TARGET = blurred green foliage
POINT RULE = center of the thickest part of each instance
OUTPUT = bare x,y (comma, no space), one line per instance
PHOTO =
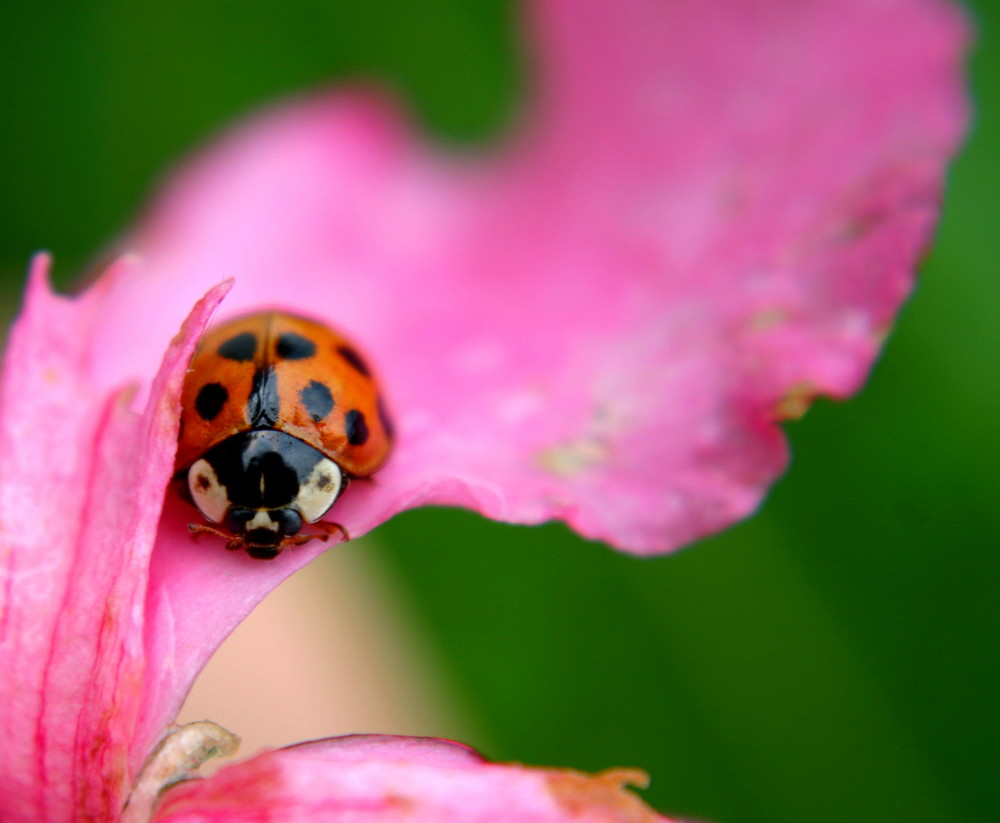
833,658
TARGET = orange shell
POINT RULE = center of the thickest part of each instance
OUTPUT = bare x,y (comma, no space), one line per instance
281,371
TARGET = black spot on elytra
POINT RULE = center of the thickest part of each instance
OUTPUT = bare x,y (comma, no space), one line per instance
355,359
263,405
385,419
211,398
240,348
317,399
292,346
356,428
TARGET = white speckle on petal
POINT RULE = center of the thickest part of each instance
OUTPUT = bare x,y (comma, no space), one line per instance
573,458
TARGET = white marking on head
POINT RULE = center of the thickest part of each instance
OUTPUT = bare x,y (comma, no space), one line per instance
209,495
261,520
320,490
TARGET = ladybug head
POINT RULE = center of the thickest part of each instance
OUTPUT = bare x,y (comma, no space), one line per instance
263,531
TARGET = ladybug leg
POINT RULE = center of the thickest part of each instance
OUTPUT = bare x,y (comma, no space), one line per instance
232,543
302,539
326,528
197,529
329,528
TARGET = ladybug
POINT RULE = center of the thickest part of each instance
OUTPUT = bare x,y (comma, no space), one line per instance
278,414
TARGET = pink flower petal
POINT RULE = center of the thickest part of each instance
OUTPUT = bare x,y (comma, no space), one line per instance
81,486
709,217
386,779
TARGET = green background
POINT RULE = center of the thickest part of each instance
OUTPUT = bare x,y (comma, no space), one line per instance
832,659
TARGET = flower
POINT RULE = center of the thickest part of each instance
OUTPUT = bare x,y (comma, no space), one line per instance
707,217
389,779
100,636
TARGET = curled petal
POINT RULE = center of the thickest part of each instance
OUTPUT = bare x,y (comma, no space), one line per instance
708,216
387,779
82,478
